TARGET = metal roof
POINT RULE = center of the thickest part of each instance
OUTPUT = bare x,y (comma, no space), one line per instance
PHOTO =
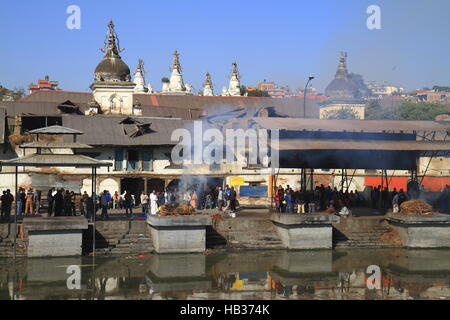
58,96
338,144
399,126
36,108
107,130
51,109
55,130
292,107
55,145
55,160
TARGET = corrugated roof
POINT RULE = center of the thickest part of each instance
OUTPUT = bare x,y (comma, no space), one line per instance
55,160
46,102
107,130
55,145
290,106
51,109
335,144
35,108
58,96
55,130
299,124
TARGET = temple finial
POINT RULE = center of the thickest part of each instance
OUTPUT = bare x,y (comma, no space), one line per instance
176,61
342,67
110,46
235,71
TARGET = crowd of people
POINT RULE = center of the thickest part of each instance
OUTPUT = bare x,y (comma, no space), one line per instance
332,200
325,199
224,199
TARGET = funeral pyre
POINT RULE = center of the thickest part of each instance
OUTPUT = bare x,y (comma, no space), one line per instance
416,208
176,209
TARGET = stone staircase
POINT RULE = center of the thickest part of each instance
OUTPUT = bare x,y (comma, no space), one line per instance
256,233
7,242
6,248
120,238
361,232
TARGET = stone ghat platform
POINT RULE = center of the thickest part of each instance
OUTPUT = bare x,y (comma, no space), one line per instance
252,229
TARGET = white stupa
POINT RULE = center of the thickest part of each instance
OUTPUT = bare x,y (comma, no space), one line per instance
208,86
176,84
139,79
234,88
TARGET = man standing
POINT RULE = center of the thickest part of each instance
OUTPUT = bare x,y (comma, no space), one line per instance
29,202
144,203
104,205
233,198
9,199
37,201
153,203
59,203
115,199
84,199
3,201
128,203
50,201
220,199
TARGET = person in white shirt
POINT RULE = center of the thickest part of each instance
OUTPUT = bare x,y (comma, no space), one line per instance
153,203
144,203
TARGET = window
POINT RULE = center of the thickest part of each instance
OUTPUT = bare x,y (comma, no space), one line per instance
133,160
118,160
147,164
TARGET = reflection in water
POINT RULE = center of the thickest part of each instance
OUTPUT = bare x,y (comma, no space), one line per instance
405,274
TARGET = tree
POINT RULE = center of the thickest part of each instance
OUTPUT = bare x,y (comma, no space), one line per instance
341,114
406,111
11,95
258,93
243,90
421,111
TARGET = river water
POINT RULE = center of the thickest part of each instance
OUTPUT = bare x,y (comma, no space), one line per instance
337,274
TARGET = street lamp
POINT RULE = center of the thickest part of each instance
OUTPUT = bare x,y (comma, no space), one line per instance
304,95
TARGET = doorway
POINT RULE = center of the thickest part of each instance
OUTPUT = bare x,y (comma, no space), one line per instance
133,185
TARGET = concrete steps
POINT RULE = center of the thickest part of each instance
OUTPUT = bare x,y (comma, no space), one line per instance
361,233
137,240
246,233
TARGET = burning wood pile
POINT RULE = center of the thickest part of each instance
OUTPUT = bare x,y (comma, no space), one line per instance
175,209
416,208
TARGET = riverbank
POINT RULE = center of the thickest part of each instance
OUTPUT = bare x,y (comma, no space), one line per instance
251,229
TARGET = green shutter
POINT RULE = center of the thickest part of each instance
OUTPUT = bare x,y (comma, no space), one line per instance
118,160
147,164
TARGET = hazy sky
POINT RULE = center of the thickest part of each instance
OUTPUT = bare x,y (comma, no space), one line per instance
281,41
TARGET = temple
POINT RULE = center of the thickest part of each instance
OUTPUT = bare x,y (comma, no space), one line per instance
343,96
112,87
